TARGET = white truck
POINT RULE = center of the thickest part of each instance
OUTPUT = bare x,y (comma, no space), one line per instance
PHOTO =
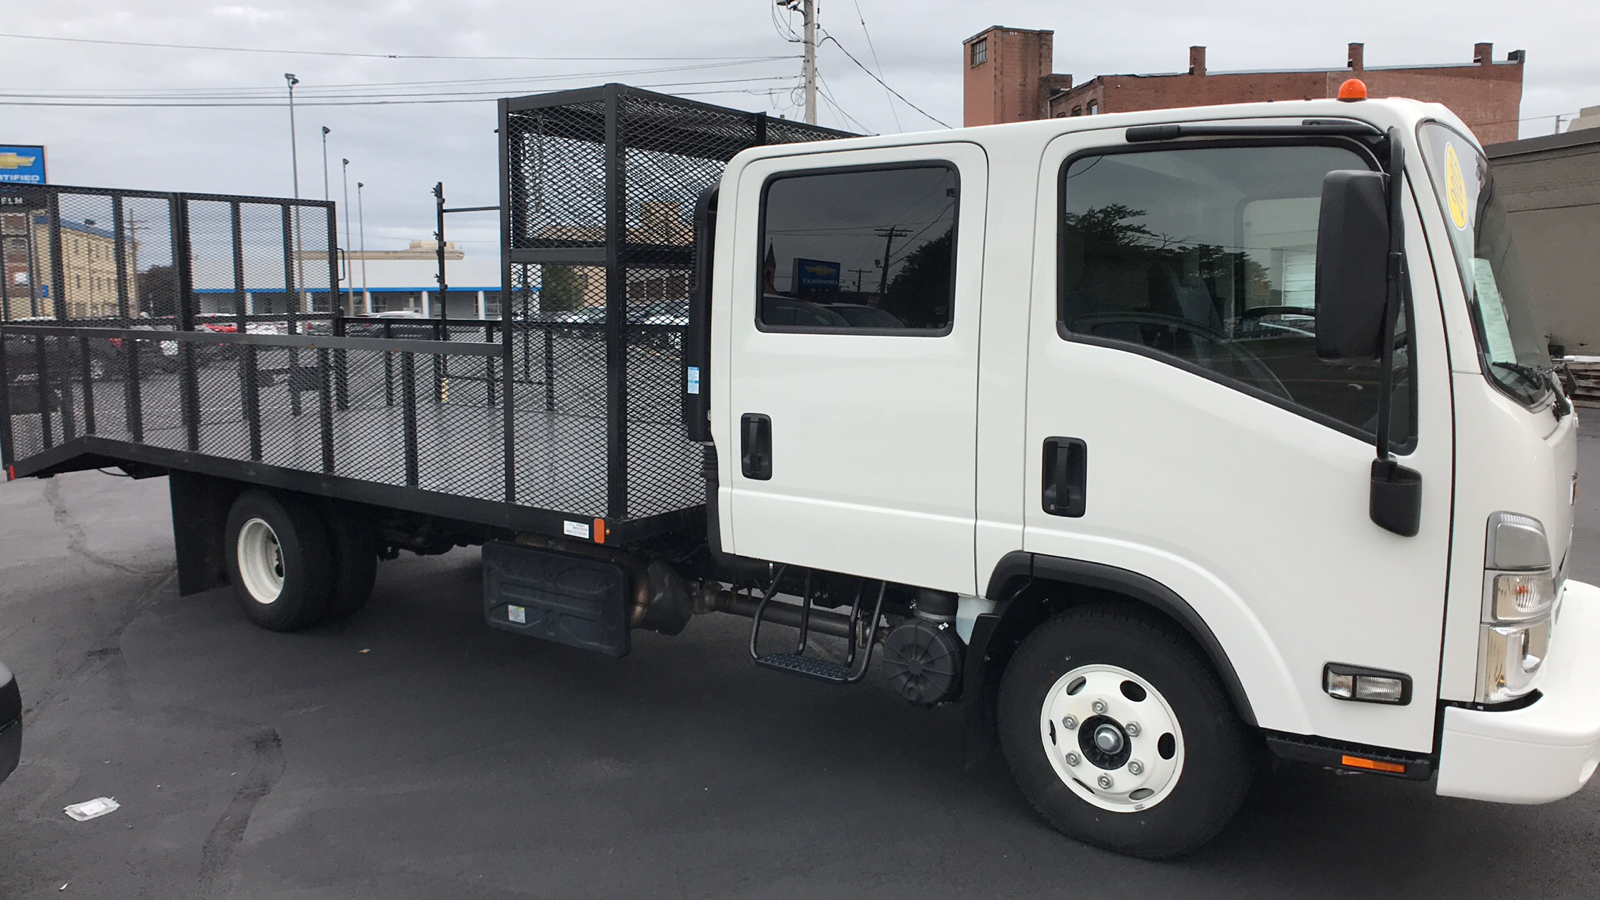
1166,442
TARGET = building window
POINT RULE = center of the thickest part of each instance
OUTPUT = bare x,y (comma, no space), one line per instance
1094,107
980,51
1077,110
860,250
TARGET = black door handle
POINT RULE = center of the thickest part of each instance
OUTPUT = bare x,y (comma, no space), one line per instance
755,446
1066,471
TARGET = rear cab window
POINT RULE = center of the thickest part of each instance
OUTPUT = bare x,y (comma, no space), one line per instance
866,250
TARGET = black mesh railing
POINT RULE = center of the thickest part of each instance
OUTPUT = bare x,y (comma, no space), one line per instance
598,200
208,328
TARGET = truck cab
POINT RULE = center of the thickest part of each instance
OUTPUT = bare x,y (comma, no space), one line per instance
1227,428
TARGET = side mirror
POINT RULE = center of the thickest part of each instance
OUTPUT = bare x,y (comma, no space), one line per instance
1352,264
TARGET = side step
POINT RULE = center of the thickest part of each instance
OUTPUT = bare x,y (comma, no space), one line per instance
798,662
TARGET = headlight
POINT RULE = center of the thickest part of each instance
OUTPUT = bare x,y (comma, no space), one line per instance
1519,598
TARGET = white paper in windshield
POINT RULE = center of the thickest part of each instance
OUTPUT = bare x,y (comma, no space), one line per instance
1492,308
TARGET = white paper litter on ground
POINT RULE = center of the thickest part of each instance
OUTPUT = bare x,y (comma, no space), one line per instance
91,809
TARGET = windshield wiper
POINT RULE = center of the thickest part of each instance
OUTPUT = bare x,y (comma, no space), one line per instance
1538,375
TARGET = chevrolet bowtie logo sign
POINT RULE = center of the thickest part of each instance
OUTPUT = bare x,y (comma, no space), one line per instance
21,164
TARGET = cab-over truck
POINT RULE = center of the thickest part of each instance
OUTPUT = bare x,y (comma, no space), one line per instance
1167,442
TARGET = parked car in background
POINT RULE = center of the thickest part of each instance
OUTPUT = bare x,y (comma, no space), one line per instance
399,323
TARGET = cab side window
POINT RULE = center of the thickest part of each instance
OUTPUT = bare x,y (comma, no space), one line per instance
859,250
1206,257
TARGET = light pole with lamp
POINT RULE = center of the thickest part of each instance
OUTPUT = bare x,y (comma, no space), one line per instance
350,305
361,214
325,132
294,156
294,153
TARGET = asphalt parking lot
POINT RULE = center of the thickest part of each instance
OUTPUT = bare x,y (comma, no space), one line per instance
412,752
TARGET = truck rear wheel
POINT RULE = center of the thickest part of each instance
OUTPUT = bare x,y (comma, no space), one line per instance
355,560
278,560
1118,733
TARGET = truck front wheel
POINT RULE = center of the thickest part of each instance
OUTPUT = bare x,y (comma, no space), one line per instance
1118,733
278,560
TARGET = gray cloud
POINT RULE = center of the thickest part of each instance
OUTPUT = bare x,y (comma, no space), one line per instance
399,151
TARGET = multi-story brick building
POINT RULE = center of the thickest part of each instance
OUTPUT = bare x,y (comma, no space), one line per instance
88,268
1008,78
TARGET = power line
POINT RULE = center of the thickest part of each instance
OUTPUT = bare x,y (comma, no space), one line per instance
351,54
201,98
892,111
374,100
828,37
838,108
249,90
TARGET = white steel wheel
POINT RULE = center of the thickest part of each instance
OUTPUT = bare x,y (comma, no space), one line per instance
1112,738
278,558
1118,731
260,561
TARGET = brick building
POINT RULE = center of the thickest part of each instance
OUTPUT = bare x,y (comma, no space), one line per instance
1008,78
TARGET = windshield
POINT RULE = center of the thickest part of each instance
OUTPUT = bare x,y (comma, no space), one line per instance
1511,340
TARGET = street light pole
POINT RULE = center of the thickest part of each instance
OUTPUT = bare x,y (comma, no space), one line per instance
351,304
294,156
294,152
361,213
325,194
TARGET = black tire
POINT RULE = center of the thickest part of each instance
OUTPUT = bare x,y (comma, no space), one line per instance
354,543
1218,759
304,566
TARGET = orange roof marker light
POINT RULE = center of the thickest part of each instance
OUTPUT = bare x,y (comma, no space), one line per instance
1353,89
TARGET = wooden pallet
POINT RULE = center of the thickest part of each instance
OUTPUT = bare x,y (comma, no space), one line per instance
1587,376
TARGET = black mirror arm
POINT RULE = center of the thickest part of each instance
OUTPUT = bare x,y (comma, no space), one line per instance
1391,309
1396,500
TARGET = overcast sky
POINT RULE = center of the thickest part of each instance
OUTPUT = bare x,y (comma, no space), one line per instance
400,149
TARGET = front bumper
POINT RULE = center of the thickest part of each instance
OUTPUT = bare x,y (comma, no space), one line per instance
10,723
1545,750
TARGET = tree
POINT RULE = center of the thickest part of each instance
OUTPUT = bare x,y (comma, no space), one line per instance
561,289
919,294
158,291
1109,223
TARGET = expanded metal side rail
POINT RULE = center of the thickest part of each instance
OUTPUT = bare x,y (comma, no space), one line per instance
211,332
384,421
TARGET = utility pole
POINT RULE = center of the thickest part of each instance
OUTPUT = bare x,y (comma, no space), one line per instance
888,235
808,10
810,35
858,273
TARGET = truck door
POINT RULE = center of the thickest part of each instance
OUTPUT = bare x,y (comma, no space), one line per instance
1181,426
849,440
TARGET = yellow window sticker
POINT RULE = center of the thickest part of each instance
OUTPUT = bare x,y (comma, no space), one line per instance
1455,186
